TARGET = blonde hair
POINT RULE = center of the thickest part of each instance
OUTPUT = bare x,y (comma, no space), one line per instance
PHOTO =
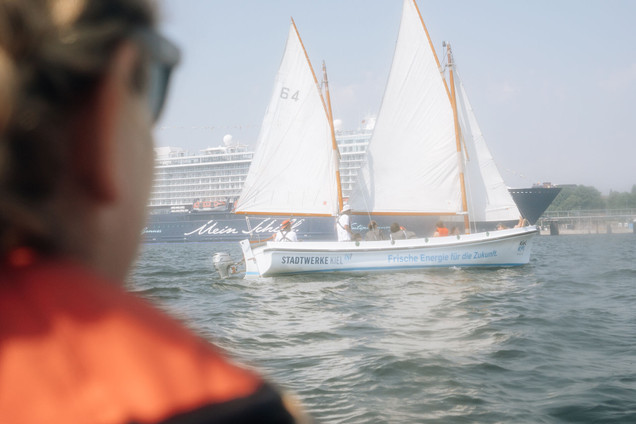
52,55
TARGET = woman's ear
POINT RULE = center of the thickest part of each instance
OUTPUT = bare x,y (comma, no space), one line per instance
96,130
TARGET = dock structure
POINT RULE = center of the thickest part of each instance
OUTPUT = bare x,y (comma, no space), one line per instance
604,221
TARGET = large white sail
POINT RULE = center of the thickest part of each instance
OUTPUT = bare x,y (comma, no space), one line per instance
294,169
412,163
488,196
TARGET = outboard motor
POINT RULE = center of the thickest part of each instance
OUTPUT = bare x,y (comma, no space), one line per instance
224,264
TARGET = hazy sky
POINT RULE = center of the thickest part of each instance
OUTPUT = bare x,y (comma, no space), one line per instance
552,82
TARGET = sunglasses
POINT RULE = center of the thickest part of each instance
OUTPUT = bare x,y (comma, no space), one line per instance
163,57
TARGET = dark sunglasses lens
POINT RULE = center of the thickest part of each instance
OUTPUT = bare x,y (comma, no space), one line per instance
163,57
158,86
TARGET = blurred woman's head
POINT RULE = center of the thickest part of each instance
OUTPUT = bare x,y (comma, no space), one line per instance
78,96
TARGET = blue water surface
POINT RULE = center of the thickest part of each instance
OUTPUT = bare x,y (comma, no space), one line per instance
550,342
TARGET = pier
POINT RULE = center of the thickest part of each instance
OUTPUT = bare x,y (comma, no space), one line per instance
588,222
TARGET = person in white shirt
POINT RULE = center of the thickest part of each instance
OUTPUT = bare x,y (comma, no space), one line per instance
286,233
343,225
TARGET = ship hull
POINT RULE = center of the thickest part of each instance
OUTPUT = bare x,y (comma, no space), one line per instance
532,202
504,248
227,226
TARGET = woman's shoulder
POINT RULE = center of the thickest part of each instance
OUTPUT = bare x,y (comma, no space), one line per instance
147,365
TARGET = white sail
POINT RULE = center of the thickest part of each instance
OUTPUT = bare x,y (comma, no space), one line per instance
294,168
412,163
488,196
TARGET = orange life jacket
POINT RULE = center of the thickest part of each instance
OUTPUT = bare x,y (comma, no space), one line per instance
75,348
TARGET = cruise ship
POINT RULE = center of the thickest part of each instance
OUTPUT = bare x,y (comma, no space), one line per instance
194,194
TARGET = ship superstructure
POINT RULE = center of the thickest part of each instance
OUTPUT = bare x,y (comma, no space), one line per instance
352,146
212,179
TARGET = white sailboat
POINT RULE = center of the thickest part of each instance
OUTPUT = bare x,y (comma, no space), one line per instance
418,108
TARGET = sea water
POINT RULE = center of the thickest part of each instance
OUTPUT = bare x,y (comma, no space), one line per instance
553,341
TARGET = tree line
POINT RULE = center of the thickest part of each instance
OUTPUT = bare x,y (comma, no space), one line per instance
582,197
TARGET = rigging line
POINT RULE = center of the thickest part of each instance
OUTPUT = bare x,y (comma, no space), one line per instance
249,227
471,204
357,184
366,206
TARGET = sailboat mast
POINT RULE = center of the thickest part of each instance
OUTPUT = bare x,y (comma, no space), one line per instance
312,68
458,138
334,144
430,43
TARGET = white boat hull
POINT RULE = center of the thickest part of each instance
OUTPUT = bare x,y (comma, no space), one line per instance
503,248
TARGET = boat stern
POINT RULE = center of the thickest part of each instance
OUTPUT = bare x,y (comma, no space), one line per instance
251,266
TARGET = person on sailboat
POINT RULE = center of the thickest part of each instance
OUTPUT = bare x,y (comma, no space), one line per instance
343,224
286,233
398,232
374,232
440,230
82,84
